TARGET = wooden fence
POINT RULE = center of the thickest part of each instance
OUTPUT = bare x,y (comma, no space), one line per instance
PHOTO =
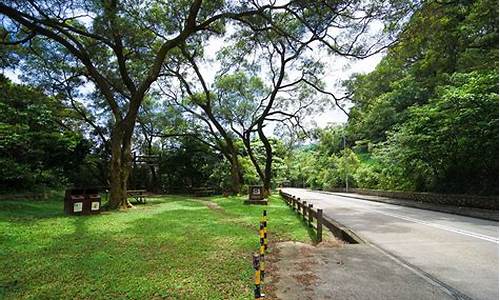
309,214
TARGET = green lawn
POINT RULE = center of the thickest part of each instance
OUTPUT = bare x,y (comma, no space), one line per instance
174,247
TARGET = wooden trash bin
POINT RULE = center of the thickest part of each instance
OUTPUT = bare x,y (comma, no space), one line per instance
82,202
74,201
256,195
94,201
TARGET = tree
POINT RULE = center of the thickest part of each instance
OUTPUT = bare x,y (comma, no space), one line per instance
283,41
417,107
451,143
195,95
32,126
105,43
441,38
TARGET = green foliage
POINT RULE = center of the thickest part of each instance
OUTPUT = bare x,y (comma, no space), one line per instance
325,165
439,40
36,145
188,163
430,108
451,143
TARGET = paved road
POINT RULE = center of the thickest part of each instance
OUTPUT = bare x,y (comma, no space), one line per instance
459,253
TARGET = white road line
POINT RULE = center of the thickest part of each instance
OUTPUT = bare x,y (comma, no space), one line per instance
447,228
442,227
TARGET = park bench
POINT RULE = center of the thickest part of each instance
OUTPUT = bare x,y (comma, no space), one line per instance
139,195
203,191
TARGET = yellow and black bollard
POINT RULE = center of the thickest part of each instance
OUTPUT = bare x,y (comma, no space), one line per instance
261,250
258,259
264,222
256,265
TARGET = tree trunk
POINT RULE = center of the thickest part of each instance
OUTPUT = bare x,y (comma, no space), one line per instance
236,173
153,185
121,160
253,159
269,161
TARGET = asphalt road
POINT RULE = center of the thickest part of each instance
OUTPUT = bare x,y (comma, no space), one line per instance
459,253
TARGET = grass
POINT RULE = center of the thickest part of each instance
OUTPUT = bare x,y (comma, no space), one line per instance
174,247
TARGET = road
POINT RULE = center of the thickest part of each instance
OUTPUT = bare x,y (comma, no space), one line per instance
459,253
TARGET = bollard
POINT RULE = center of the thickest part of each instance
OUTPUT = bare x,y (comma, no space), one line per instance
310,215
261,250
264,222
256,265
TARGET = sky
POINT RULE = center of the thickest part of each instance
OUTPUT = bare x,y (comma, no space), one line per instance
339,69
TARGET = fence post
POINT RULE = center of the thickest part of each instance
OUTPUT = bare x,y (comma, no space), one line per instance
319,227
293,202
298,205
310,215
304,209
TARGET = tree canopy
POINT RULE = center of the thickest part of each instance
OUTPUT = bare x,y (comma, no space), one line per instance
103,82
426,119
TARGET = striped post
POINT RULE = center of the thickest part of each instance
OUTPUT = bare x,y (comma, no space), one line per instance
264,222
261,250
256,266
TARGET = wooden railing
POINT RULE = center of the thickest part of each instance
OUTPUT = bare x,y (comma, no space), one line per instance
308,213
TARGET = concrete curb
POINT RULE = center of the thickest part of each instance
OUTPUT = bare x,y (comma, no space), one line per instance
343,233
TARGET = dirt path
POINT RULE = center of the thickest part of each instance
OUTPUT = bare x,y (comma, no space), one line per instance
292,269
342,271
210,204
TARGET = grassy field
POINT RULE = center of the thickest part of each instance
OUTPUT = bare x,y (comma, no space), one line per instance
174,247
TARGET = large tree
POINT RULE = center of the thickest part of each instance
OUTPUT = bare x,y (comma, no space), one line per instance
194,95
290,45
119,46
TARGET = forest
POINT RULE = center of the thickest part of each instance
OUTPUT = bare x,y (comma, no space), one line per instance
83,97
426,119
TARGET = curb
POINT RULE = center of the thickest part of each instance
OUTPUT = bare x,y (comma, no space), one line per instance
342,232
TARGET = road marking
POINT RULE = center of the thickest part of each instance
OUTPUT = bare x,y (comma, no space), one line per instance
443,227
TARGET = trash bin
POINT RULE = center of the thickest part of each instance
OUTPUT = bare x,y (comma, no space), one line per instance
74,202
256,195
82,202
256,192
94,201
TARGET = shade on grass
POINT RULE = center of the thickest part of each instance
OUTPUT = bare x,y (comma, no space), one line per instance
174,247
